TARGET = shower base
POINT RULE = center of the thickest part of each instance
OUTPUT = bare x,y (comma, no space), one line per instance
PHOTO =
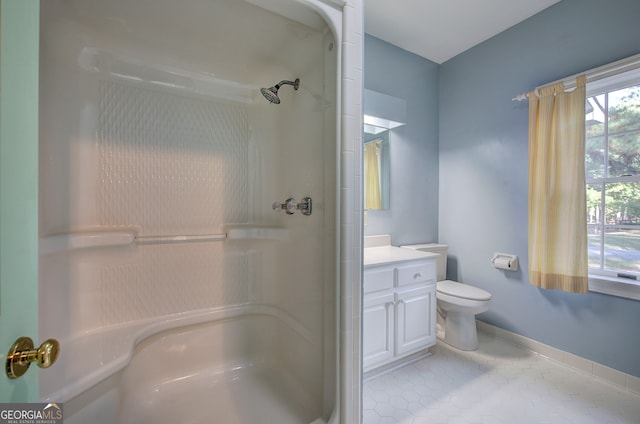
249,396
231,370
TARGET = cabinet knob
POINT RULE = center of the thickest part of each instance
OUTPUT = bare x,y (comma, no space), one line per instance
417,275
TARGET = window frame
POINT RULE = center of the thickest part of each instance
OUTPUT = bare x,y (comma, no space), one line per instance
608,282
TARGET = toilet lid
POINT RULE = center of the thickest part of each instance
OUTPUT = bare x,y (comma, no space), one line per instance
465,291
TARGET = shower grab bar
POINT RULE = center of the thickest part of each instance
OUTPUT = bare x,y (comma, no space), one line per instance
127,237
179,238
66,242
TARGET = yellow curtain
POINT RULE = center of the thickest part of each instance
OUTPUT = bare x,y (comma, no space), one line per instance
557,206
372,198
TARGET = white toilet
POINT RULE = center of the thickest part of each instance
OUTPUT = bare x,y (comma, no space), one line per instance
458,304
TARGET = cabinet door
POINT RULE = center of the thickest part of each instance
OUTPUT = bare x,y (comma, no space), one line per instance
415,319
377,330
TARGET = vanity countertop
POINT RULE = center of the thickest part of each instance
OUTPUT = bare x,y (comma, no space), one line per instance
392,254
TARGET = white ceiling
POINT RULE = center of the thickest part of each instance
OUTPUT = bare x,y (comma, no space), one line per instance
441,29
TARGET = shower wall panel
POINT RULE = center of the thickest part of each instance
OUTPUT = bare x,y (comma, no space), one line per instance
141,142
170,164
166,164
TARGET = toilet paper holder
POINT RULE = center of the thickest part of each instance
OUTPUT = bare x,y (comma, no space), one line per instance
505,261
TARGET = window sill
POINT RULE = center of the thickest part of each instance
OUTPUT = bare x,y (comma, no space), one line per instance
613,286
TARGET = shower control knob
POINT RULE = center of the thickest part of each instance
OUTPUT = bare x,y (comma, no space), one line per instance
289,206
305,207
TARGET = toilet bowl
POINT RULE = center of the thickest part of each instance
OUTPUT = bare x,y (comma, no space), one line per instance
458,303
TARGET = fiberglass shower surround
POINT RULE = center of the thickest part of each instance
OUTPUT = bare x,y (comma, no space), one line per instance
157,186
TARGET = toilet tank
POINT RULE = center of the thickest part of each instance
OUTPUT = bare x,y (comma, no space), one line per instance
441,261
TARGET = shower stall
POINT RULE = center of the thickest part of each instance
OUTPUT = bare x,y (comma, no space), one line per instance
195,237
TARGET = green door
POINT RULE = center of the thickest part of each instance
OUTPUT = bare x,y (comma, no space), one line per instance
19,40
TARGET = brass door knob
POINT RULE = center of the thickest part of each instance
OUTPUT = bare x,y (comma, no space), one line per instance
22,354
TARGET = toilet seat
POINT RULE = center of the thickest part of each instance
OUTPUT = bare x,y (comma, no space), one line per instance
464,291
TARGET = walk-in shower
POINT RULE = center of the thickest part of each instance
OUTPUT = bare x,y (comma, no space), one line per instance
173,283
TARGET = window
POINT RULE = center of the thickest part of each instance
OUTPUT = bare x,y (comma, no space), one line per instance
612,166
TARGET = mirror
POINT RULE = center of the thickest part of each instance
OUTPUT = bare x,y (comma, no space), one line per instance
376,171
382,113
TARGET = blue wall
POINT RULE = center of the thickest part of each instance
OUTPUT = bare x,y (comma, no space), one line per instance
413,216
483,173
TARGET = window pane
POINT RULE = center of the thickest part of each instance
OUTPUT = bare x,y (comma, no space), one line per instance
594,224
622,227
624,109
594,117
624,154
594,157
612,170
622,201
621,251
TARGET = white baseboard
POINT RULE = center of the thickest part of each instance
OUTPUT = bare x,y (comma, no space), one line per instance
594,369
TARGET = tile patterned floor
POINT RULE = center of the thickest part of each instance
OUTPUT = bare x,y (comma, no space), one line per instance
499,383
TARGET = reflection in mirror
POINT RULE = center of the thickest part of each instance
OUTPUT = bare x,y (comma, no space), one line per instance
376,171
382,114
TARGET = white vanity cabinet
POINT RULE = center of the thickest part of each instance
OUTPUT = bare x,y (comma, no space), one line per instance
399,305
378,329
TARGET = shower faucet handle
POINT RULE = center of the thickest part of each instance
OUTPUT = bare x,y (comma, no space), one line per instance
289,206
305,207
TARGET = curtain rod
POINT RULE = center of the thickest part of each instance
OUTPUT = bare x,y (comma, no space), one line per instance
624,65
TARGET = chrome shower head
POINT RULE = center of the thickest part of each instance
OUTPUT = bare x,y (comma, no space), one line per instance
271,93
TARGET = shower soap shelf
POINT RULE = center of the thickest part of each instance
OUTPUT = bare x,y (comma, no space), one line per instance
73,241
